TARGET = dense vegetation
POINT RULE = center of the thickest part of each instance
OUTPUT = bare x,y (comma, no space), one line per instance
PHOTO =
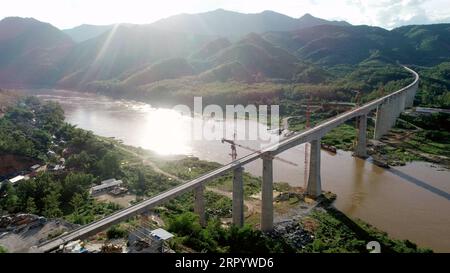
434,88
335,233
216,238
30,129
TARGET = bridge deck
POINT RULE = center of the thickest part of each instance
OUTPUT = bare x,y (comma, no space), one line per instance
285,144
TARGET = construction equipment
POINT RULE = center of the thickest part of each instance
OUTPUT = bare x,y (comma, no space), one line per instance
233,153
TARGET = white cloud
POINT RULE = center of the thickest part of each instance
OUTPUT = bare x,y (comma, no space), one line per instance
394,13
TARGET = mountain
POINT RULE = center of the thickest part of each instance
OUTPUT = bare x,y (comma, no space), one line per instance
259,57
123,49
233,24
36,53
228,71
30,51
166,69
332,45
211,48
86,32
431,42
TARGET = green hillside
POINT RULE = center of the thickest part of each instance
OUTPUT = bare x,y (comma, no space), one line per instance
133,60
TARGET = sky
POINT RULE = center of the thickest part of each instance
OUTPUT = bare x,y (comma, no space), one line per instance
384,13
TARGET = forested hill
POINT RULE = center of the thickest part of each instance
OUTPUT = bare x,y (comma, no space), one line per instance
125,57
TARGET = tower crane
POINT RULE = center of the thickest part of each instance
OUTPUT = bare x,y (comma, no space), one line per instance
233,153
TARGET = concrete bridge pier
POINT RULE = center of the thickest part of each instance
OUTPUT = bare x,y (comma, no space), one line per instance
361,144
409,98
400,105
396,108
267,194
395,105
314,187
392,113
382,120
410,94
403,102
238,197
199,204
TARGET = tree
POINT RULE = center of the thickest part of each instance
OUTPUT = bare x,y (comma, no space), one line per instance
31,206
116,232
52,205
109,165
9,200
81,161
50,116
141,185
77,202
185,224
75,183
44,185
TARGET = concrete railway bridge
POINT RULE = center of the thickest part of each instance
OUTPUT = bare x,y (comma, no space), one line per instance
388,109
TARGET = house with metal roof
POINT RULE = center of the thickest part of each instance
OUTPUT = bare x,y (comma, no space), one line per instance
106,185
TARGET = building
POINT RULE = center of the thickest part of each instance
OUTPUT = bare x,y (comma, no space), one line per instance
35,167
143,240
106,185
161,234
17,179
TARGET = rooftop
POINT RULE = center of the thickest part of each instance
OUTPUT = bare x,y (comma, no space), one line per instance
16,179
106,185
162,234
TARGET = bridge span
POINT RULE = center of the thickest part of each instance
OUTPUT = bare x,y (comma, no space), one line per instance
388,109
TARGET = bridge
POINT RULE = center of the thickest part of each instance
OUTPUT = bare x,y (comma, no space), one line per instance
388,109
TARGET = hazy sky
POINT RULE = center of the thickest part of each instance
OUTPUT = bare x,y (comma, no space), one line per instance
384,13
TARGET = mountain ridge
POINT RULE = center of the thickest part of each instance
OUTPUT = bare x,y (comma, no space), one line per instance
45,55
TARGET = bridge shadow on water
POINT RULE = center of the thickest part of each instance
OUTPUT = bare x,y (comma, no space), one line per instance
420,183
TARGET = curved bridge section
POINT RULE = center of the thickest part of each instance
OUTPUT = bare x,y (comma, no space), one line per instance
388,109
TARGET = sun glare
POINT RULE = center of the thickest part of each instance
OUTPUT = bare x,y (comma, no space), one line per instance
173,134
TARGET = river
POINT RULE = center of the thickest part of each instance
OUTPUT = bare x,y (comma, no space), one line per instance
410,202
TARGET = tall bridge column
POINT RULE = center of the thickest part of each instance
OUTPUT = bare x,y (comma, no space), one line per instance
403,101
398,108
410,94
267,194
361,145
238,198
392,106
396,111
199,204
314,187
382,120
